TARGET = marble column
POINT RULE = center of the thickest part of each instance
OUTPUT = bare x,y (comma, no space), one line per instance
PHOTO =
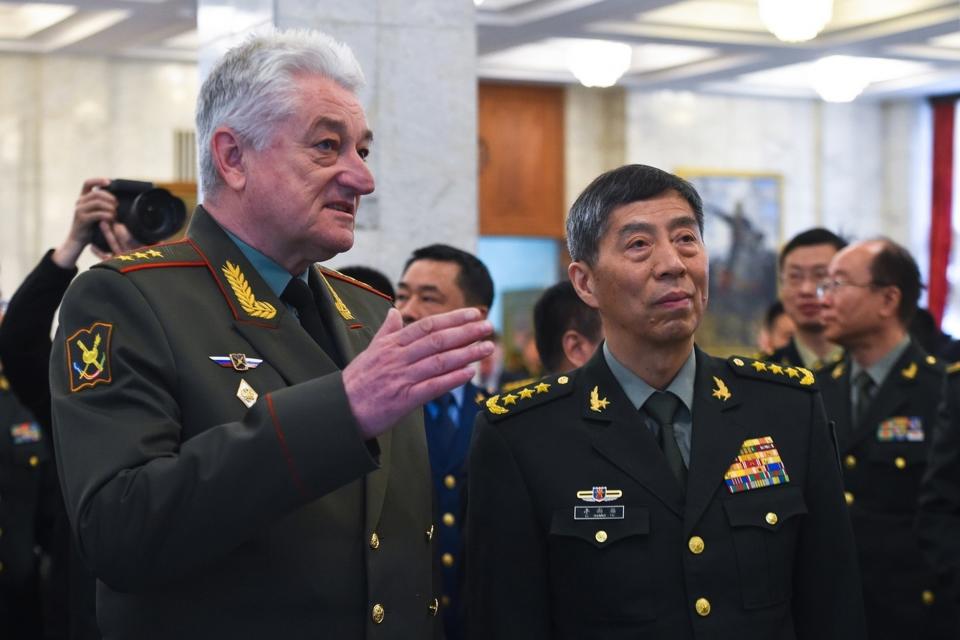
419,61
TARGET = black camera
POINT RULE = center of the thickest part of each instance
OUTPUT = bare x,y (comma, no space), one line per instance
150,214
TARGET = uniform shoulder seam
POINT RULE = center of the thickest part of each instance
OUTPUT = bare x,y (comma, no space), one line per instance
504,405
792,376
327,271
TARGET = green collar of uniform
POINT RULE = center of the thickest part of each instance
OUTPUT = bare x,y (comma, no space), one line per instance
638,391
811,360
276,277
882,367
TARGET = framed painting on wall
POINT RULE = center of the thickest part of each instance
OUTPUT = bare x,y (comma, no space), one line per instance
742,230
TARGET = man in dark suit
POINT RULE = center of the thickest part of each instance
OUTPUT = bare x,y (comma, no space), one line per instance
803,264
883,398
241,449
938,521
657,492
436,279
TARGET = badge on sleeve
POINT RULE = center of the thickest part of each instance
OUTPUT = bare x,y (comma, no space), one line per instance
88,356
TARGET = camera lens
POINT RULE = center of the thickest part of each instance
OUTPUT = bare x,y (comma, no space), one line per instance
156,215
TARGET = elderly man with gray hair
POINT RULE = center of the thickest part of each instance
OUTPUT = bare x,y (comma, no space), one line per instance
238,430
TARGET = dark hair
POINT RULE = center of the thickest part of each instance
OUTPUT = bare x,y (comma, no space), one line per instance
589,215
774,311
474,279
894,266
558,310
809,238
368,275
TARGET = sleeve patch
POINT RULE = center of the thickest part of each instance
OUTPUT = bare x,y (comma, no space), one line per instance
88,356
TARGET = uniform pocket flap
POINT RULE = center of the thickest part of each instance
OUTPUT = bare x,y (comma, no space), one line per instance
767,508
598,528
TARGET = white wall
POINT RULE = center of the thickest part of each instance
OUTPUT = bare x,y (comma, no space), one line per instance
63,120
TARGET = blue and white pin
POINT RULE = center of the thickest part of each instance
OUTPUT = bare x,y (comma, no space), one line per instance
237,361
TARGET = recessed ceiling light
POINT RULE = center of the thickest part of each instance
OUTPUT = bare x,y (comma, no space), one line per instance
23,20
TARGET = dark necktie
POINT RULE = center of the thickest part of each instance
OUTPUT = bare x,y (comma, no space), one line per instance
662,407
300,297
865,389
442,422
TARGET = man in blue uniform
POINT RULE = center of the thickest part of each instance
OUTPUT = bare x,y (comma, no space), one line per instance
436,279
657,492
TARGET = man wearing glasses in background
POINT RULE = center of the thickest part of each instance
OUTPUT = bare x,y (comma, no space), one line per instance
803,264
883,398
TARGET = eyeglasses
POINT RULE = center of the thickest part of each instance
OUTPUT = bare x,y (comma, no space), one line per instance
829,286
796,279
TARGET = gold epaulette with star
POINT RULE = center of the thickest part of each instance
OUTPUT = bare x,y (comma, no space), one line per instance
331,273
173,254
763,370
506,404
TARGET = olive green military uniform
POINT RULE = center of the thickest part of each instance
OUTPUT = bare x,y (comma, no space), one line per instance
884,460
578,529
211,466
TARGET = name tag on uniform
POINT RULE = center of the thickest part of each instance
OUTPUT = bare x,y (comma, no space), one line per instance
599,513
901,429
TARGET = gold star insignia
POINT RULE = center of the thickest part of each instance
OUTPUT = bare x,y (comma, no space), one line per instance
125,258
777,369
525,393
597,403
793,373
759,366
509,399
154,253
543,387
141,255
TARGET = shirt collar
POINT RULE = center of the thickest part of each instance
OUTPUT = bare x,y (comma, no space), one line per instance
638,391
276,277
811,360
879,371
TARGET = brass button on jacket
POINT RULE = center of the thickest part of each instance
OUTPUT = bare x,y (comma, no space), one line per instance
771,518
434,607
703,607
695,544
374,541
850,461
449,520
601,536
449,482
447,559
377,613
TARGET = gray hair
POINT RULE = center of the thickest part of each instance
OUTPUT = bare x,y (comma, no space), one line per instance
252,88
590,214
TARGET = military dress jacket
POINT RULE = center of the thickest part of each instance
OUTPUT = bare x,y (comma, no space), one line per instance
938,522
212,469
883,462
577,528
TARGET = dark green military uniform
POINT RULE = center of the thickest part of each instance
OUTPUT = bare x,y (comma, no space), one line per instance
203,518
23,455
883,462
577,528
939,517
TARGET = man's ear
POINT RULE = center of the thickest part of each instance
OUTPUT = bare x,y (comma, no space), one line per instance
484,309
227,152
577,349
581,276
891,301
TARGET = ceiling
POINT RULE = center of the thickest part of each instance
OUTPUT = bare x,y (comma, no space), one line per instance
910,47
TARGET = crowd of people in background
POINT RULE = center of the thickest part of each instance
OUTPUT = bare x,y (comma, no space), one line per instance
625,482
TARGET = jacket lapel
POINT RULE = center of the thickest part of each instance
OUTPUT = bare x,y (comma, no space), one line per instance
716,435
259,316
350,335
623,438
891,395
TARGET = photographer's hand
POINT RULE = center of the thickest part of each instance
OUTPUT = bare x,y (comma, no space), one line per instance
94,206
